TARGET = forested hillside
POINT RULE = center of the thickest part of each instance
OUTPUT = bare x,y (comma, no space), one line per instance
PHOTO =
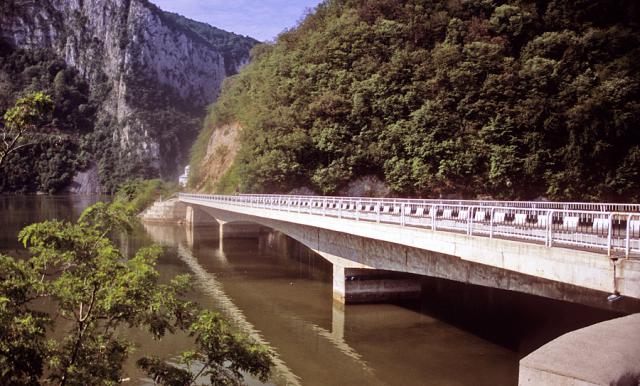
508,99
130,84
49,164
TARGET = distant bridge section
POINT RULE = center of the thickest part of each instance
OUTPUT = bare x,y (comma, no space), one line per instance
588,245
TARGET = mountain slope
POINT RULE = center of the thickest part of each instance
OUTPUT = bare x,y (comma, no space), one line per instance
149,75
500,98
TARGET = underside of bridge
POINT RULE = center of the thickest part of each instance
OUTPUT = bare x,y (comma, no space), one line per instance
367,269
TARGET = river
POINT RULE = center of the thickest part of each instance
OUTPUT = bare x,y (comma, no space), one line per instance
456,334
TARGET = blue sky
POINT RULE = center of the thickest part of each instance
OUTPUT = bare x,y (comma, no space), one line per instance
262,20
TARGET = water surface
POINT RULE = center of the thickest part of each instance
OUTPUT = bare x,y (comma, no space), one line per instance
455,335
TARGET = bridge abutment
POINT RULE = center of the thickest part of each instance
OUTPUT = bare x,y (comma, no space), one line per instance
364,285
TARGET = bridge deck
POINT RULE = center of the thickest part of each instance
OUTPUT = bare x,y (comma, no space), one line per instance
566,225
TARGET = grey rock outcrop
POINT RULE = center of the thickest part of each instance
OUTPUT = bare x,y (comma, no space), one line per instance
86,181
132,52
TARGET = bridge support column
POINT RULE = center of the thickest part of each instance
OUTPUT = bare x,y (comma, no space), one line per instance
337,320
363,285
196,217
239,230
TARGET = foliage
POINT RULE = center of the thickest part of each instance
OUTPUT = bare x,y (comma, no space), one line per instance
21,122
23,348
508,98
228,183
217,344
97,291
136,195
62,109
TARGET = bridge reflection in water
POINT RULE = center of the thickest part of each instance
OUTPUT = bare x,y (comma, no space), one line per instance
285,301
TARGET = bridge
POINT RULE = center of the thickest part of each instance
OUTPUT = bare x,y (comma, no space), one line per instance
551,249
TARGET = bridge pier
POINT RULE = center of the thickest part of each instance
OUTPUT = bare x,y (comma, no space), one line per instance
337,320
239,230
364,285
197,218
351,282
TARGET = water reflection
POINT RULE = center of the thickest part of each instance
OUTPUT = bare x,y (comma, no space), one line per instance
209,285
322,342
16,212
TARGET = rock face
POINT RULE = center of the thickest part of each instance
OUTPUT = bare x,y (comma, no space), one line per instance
222,148
86,181
139,60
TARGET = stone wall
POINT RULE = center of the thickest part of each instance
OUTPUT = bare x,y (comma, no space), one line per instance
169,211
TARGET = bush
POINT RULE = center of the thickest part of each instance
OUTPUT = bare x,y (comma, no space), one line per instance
137,195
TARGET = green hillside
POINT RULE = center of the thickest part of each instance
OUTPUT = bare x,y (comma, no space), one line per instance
61,148
510,99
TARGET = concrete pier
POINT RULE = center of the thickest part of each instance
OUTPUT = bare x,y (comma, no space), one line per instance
361,285
199,218
606,353
240,230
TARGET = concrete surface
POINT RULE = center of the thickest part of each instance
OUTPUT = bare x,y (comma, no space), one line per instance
498,263
168,211
362,285
606,353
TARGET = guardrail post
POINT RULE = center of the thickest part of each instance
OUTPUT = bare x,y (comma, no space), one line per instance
377,212
610,234
491,223
339,208
358,210
470,221
434,216
627,241
550,228
401,214
324,206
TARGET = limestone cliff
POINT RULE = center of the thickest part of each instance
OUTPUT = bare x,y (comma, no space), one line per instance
153,72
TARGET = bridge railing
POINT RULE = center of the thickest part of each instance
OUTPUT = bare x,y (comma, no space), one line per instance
616,233
557,205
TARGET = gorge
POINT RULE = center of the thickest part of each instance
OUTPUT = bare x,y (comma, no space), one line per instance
131,84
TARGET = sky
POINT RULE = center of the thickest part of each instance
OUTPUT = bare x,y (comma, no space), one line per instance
260,19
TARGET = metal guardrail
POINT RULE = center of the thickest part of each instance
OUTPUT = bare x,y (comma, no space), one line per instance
589,206
552,224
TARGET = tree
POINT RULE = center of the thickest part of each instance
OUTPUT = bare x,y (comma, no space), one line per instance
513,99
26,116
97,290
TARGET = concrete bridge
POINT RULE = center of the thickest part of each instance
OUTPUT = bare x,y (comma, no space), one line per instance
557,250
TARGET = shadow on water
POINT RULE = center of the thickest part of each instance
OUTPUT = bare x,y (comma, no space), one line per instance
516,321
16,212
